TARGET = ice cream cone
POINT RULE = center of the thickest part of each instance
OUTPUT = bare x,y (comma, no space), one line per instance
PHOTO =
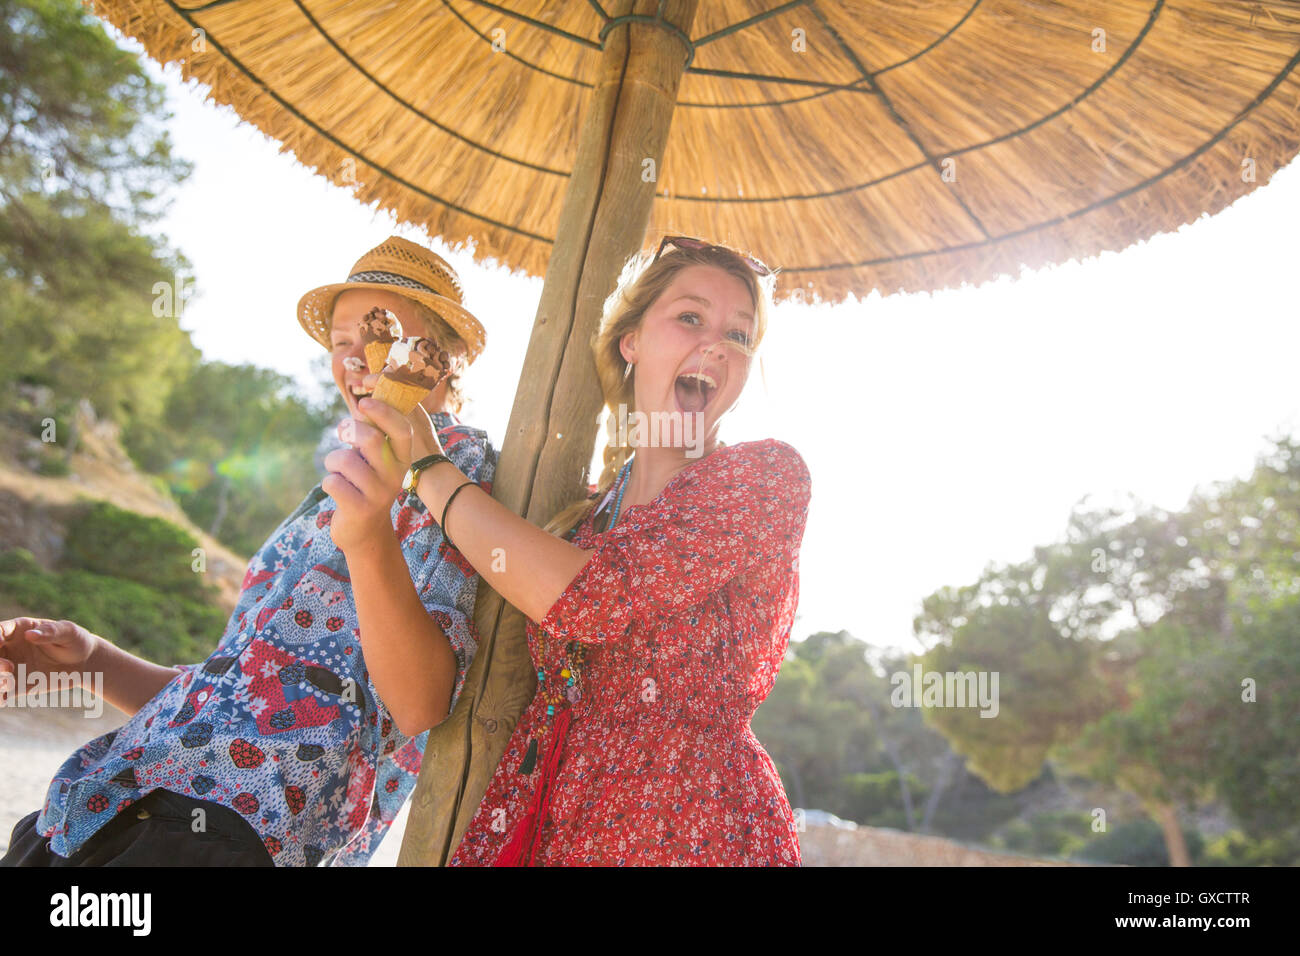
377,355
401,396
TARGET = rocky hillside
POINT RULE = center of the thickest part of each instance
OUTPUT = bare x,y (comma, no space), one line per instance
34,507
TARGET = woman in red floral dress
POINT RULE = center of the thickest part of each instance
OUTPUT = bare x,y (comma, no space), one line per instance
659,608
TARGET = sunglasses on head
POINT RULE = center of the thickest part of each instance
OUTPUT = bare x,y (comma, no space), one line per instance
686,242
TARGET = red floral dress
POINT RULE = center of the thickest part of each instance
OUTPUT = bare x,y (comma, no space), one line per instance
685,611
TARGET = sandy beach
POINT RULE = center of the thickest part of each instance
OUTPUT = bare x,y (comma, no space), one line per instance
33,743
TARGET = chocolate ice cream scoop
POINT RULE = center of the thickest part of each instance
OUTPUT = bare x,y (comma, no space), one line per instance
380,325
379,329
417,361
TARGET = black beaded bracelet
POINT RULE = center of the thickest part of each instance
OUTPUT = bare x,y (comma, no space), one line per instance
443,523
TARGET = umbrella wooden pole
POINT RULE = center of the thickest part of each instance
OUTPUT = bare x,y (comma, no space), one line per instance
553,424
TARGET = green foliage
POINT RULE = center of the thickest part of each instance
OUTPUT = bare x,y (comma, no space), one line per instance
1046,689
152,623
1136,843
18,561
235,446
1123,652
972,810
93,336
53,466
77,113
874,798
841,746
107,540
813,732
1235,848
90,301
1251,746
82,165
1061,834
36,426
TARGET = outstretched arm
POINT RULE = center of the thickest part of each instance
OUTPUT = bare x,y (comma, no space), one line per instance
130,682
527,566
47,646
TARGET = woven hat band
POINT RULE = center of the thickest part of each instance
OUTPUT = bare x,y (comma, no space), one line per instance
390,278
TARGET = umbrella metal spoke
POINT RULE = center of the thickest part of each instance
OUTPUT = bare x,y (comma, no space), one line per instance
514,56
211,6
940,39
823,85
540,24
744,24
495,154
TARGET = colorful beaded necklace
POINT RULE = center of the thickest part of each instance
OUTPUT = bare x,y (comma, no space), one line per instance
565,681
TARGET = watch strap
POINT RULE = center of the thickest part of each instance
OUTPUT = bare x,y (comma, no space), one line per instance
428,461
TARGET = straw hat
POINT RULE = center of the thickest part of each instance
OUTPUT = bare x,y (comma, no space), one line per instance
401,266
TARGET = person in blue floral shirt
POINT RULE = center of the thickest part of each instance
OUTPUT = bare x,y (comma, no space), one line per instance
300,737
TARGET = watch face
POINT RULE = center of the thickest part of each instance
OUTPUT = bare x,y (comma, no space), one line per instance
408,483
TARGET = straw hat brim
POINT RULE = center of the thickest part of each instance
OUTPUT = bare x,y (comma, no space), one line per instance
316,312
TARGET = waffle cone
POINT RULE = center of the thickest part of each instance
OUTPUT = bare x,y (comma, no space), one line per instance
377,356
401,396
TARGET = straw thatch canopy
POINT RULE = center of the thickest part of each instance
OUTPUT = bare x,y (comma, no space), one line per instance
857,144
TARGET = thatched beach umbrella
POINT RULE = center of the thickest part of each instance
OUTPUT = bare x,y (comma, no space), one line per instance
856,144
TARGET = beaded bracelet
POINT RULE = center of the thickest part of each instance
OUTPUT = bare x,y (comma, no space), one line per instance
443,523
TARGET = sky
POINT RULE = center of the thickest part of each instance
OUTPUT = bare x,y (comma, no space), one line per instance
942,431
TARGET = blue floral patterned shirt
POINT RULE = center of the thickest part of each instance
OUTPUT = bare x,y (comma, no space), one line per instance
282,722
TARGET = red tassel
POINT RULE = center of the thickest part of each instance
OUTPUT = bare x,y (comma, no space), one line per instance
515,848
523,846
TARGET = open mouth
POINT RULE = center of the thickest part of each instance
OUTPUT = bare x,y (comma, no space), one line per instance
694,389
358,393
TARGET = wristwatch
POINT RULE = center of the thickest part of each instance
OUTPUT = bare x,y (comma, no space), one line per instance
413,475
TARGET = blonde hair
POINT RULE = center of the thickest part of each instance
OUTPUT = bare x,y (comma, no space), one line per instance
639,287
445,336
